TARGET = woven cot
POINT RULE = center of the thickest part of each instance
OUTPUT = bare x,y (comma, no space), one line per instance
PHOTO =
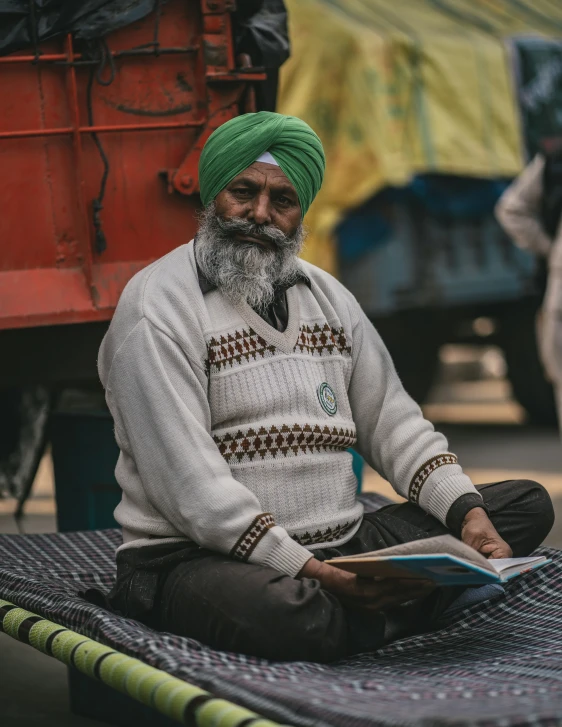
499,664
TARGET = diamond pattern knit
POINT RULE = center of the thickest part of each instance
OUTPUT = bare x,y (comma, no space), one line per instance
236,435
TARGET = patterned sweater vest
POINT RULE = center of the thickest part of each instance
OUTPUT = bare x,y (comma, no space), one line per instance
281,416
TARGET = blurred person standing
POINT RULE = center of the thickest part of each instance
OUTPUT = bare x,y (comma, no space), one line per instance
529,211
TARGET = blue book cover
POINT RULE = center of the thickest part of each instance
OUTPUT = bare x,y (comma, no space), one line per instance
444,560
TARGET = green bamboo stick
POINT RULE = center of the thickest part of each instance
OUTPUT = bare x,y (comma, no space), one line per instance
179,700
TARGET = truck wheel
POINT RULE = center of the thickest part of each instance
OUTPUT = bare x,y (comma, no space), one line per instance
417,372
524,369
414,348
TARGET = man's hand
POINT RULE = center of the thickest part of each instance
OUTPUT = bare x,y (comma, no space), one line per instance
478,532
365,593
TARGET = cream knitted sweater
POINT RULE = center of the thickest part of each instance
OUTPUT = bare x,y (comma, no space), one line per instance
234,435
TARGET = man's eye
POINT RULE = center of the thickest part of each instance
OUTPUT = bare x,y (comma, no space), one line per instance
285,200
241,191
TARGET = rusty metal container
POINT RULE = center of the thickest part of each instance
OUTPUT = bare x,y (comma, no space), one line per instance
99,145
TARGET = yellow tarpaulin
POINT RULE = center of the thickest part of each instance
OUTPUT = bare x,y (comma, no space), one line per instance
399,87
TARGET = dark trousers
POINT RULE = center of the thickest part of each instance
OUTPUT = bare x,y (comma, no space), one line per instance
256,610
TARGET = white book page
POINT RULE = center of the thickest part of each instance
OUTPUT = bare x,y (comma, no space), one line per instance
442,544
501,565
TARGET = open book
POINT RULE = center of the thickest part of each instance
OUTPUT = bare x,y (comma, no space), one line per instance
444,560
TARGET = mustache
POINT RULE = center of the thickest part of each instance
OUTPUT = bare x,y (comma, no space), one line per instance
269,233
246,271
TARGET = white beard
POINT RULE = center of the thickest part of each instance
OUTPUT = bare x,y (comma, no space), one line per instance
246,271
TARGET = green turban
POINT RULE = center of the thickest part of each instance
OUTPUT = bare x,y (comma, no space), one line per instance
236,145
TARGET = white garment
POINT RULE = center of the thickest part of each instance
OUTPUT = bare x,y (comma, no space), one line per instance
550,328
235,435
518,211
267,159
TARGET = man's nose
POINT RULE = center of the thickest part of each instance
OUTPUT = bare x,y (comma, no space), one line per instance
260,212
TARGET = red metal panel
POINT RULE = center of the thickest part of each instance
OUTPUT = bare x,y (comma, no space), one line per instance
148,120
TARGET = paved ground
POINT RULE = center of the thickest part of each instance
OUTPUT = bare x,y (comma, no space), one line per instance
485,430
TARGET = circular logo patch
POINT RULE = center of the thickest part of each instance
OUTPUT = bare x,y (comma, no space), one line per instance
327,399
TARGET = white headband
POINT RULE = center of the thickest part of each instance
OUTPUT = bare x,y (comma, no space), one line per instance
267,159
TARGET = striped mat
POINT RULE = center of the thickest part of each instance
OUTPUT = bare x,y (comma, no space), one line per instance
499,664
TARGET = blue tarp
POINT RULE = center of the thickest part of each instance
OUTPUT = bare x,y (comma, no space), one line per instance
444,197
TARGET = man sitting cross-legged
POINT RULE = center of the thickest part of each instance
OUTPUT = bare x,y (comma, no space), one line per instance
238,377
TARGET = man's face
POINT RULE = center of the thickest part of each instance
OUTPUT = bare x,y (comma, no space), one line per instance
261,195
250,236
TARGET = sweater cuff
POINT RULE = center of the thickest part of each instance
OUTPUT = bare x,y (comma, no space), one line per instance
445,493
278,550
460,508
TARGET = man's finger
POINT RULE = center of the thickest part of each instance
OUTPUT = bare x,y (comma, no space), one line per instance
502,552
496,550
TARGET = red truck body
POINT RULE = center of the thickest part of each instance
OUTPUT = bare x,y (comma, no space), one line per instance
138,109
